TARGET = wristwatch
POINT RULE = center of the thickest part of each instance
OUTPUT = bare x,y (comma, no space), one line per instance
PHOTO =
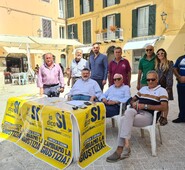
146,106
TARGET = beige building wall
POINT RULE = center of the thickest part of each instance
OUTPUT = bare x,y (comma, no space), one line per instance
173,35
24,18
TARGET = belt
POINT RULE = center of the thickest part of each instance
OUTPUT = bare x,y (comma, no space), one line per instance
76,77
50,85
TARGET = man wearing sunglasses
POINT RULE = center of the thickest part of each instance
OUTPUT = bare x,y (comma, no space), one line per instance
146,64
115,94
149,98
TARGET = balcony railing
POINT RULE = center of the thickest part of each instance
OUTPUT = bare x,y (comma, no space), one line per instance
109,35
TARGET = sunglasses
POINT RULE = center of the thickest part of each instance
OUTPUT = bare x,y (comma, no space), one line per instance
152,79
160,53
149,50
117,79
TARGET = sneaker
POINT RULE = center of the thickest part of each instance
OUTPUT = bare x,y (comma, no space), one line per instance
113,158
178,120
126,153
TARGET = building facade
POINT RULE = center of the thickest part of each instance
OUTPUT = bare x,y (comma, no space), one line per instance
44,19
131,24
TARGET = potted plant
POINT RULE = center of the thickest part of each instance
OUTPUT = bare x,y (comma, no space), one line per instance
104,30
97,31
113,28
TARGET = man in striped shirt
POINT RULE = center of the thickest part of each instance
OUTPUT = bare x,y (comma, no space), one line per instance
143,104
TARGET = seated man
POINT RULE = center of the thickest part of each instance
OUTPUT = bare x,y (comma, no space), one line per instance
149,98
118,92
85,88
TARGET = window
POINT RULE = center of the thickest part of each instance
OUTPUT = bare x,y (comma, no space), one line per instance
107,3
46,0
46,27
86,6
70,8
143,21
72,31
61,8
61,32
87,32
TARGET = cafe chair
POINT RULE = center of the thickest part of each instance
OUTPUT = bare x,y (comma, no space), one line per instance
152,132
15,79
24,78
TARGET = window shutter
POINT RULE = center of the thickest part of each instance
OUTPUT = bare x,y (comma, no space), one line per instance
118,21
104,20
81,6
87,32
46,27
134,22
69,30
70,8
104,3
117,1
152,20
75,30
91,4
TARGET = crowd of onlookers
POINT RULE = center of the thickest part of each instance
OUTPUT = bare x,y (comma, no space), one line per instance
87,80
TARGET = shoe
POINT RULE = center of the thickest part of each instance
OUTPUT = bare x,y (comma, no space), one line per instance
163,121
126,153
178,120
113,158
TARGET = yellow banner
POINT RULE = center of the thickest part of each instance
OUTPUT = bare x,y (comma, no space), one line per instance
57,138
91,123
12,121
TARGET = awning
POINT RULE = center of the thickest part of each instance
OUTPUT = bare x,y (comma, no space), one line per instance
17,50
36,42
86,50
132,45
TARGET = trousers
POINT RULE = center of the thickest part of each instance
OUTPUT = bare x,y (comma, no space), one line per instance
132,118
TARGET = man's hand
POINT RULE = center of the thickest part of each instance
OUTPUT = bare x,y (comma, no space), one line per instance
68,82
104,100
41,91
181,79
111,102
61,90
104,82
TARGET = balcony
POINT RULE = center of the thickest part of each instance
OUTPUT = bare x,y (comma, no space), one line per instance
110,36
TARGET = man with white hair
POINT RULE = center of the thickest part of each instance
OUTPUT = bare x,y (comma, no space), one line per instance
77,65
116,94
85,88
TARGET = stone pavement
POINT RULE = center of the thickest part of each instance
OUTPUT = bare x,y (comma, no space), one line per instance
171,154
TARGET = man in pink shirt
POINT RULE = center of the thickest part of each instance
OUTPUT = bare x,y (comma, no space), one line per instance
50,77
121,66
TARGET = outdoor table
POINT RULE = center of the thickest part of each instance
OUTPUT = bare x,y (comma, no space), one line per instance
55,131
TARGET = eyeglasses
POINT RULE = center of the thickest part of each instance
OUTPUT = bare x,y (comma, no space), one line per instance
152,79
160,53
149,50
117,79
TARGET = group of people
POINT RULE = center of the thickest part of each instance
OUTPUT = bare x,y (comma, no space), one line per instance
154,85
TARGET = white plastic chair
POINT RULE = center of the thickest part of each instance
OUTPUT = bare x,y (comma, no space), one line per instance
151,130
118,117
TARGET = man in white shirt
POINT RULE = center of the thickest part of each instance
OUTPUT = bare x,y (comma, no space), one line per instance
116,94
85,88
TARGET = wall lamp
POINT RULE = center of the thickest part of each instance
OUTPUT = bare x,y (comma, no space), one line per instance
39,32
163,17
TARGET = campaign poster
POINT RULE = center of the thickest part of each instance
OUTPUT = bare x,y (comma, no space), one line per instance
12,121
91,123
31,138
57,137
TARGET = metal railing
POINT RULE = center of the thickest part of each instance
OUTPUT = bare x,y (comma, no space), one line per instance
109,35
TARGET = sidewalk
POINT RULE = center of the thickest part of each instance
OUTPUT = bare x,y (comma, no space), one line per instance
171,155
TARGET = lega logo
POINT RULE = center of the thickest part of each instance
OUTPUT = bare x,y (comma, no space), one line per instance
123,65
182,62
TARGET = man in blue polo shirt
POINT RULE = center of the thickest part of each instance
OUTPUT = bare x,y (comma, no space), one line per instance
179,71
98,64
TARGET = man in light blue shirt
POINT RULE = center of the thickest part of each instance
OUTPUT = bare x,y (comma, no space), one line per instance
85,88
116,94
76,67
